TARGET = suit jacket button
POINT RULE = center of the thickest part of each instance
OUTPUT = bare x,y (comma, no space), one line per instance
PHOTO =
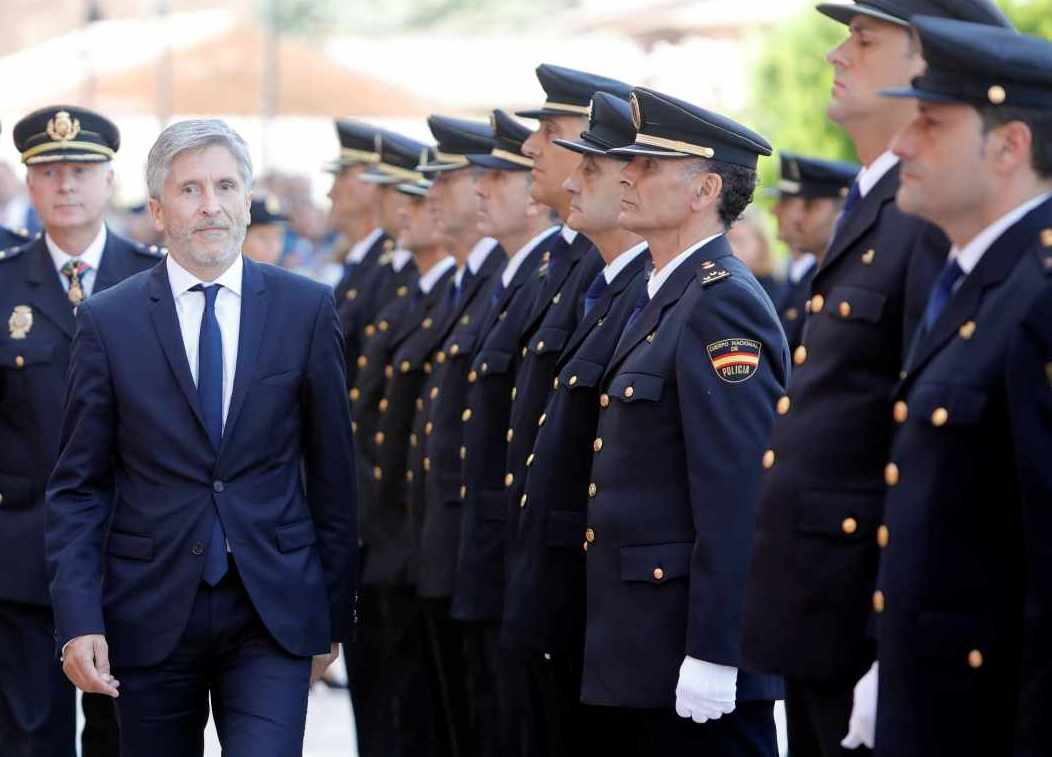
473,376
428,428
217,486
379,438
354,394
573,380
540,346
198,549
555,384
362,361
384,404
463,453
792,314
463,491
434,392
509,434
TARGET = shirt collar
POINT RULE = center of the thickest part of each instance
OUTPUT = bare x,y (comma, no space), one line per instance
798,267
568,234
182,280
515,261
361,248
428,280
480,252
92,255
399,258
968,257
658,278
619,263
869,176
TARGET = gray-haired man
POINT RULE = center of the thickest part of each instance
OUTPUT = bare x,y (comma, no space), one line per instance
207,429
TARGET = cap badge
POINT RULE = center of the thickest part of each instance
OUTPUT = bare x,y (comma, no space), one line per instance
272,204
62,127
996,94
637,118
20,322
591,110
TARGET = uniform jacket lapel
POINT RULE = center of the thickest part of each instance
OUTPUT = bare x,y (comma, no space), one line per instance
602,307
569,255
527,269
115,265
863,216
47,295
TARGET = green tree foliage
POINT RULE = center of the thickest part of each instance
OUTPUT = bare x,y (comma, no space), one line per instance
1031,16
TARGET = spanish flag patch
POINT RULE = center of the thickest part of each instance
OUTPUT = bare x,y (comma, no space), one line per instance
736,359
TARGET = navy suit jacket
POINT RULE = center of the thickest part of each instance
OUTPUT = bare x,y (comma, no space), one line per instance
33,364
135,453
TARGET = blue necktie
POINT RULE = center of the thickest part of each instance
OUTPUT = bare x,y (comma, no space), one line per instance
641,302
942,292
210,394
467,278
853,196
595,291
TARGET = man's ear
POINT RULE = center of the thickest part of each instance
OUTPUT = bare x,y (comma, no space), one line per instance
1015,146
156,213
705,190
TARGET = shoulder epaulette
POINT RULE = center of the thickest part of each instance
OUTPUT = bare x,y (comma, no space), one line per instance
710,272
1044,252
13,252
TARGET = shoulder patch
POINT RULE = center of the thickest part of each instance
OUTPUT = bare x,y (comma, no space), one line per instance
710,272
735,359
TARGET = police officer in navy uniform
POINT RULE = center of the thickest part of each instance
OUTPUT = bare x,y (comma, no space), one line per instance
267,225
687,401
964,592
815,555
812,192
544,600
434,462
67,151
527,231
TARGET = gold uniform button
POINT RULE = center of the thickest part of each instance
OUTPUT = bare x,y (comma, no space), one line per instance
629,392
509,435
524,351
522,501
589,536
541,421
370,330
783,405
514,392
465,320
593,489
530,459
355,394
378,473
509,479
384,404
454,350
844,309
996,94
434,392
409,476
403,291
868,256
441,357
384,325
597,445
604,401
463,453
473,376
405,366
427,323
540,346
792,314
414,440
883,535
891,474
585,546
940,417
768,459
354,427
878,601
463,491
428,428
800,356
659,574
388,371
351,294
967,330
419,403
849,526
817,303
427,464
1046,238
555,384
573,380
379,438
975,659
901,412
466,415
362,361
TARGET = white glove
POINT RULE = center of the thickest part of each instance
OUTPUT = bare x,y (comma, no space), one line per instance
862,727
705,691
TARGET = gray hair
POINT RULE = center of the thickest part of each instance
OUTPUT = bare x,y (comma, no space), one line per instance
193,135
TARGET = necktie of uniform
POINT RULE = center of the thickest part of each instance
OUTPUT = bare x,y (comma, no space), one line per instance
942,292
74,270
210,394
853,196
595,291
464,281
641,302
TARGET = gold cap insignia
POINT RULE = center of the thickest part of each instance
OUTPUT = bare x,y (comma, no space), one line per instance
591,110
493,121
20,322
62,127
997,94
637,118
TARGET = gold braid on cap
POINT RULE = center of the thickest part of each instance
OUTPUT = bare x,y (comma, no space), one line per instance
511,157
675,145
566,107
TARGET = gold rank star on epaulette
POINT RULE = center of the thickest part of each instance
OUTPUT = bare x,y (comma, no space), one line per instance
710,272
1045,253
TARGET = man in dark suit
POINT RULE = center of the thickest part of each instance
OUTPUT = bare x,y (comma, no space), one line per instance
505,213
964,592
808,606
201,518
686,406
543,622
41,284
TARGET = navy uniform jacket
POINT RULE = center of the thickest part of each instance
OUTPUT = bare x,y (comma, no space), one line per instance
33,364
683,419
479,578
395,288
135,454
792,307
544,603
815,556
388,528
358,297
440,431
965,583
9,239
569,273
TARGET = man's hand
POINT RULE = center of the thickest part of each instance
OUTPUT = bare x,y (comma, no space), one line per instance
862,727
705,691
321,662
86,662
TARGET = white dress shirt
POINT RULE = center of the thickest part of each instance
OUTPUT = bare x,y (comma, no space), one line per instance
434,273
619,263
478,255
516,260
968,257
568,234
799,266
92,256
875,171
400,258
190,308
361,248
658,278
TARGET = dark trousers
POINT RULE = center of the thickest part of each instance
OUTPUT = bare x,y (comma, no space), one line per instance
37,705
489,698
387,672
100,737
258,690
817,719
445,650
749,731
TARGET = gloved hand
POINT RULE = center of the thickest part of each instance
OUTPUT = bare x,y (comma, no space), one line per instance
862,727
705,691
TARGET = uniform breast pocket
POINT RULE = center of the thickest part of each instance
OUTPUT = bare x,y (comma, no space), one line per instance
946,406
549,341
580,374
461,344
656,563
631,388
282,378
492,363
25,356
848,303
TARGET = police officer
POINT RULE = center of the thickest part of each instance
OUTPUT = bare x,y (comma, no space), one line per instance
964,593
808,606
687,400
67,151
266,230
505,213
812,193
544,605
437,427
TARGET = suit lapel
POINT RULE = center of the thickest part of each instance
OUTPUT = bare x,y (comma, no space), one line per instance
864,215
47,295
254,306
602,307
166,324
